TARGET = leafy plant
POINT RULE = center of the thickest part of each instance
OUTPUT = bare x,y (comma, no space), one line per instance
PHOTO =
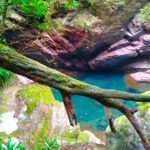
145,12
3,40
50,145
10,145
32,7
71,5
5,76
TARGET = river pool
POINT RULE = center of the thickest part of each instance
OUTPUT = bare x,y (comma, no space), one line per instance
90,112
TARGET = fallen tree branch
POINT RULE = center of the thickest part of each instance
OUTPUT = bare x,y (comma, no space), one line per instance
20,64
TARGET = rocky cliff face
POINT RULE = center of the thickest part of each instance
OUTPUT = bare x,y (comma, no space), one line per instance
84,42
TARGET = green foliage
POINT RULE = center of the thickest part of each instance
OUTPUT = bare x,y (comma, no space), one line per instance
10,145
41,11
145,12
50,145
33,7
5,76
34,94
76,136
3,40
71,5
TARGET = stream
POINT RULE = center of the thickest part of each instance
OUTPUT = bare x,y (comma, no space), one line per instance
90,112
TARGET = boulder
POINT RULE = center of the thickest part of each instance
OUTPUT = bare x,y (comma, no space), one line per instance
112,59
140,65
141,77
139,71
126,137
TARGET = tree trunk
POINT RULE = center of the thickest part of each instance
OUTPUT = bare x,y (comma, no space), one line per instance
20,64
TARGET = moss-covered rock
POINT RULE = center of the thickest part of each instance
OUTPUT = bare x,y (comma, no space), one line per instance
126,137
34,94
34,114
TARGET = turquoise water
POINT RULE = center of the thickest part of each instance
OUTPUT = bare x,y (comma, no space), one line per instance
90,112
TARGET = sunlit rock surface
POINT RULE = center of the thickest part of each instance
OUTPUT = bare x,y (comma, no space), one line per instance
141,77
7,119
139,71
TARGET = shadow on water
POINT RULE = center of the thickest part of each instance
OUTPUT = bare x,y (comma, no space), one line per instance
90,112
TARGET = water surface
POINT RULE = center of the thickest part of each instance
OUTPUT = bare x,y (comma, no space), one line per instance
89,111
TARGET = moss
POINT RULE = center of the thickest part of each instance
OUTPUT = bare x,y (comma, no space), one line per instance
39,97
119,123
125,137
145,12
41,133
34,94
76,136
142,106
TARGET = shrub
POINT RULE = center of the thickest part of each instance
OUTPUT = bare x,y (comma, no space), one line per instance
5,76
145,12
12,145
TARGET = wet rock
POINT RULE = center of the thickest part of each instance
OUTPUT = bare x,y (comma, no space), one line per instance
128,50
139,71
112,59
141,65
